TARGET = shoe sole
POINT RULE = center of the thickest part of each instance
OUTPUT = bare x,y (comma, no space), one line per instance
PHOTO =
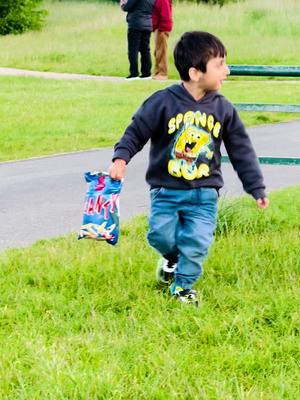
184,300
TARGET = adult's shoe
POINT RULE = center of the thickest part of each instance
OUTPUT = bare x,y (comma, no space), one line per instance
160,77
132,77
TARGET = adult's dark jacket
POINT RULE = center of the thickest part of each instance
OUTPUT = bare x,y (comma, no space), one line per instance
139,14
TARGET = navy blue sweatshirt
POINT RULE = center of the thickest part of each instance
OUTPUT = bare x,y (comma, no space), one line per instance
186,136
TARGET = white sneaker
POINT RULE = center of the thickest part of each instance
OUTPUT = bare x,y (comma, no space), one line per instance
187,296
165,271
132,78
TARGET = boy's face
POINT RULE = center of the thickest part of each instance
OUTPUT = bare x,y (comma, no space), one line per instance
216,73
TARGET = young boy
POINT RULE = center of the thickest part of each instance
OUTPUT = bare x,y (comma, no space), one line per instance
186,124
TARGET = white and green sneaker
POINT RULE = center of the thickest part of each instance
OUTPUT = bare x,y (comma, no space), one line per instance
165,271
187,296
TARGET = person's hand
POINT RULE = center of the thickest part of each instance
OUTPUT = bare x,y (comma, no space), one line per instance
117,169
262,203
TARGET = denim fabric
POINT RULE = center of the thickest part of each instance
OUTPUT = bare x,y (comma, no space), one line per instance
181,224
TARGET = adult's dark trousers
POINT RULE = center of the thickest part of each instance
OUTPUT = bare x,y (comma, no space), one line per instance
139,42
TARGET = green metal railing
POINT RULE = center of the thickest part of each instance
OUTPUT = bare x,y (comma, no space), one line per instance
267,70
272,160
290,108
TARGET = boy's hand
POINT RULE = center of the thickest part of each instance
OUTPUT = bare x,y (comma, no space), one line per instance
262,203
117,169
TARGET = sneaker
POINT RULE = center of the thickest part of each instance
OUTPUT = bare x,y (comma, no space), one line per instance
187,296
132,77
145,77
160,77
165,271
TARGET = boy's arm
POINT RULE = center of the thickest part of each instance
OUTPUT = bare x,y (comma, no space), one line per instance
262,203
137,134
117,169
130,143
244,159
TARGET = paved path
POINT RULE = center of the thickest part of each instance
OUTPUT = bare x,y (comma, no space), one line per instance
55,75
43,197
61,75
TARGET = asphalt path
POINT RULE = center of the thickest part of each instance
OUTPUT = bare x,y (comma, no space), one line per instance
43,197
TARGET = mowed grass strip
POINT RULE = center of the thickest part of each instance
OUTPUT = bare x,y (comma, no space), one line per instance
90,37
84,320
42,116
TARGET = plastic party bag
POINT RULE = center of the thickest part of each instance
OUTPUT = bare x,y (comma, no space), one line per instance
101,217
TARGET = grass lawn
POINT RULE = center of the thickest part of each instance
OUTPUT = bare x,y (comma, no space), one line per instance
84,320
41,116
90,37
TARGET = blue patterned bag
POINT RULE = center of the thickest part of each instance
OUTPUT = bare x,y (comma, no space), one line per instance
101,217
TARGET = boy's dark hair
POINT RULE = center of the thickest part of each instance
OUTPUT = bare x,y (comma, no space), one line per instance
195,49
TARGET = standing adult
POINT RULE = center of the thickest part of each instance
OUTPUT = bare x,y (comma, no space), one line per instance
162,26
139,20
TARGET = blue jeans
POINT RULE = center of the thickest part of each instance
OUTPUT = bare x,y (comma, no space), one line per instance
181,227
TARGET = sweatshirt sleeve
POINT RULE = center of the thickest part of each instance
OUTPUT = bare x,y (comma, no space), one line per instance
165,24
143,126
242,155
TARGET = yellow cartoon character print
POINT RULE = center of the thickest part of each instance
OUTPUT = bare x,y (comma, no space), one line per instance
190,143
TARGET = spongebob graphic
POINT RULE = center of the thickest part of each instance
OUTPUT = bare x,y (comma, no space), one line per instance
191,144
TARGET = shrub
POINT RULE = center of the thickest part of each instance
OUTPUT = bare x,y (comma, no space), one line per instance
17,16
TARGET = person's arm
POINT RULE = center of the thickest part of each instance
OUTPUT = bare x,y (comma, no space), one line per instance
117,169
262,203
130,143
243,158
136,135
165,16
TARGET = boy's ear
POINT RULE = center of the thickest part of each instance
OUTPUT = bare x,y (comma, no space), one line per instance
195,74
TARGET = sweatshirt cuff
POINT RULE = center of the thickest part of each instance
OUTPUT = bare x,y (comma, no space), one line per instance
258,194
123,154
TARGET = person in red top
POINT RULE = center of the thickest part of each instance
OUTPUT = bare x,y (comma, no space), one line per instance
162,26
